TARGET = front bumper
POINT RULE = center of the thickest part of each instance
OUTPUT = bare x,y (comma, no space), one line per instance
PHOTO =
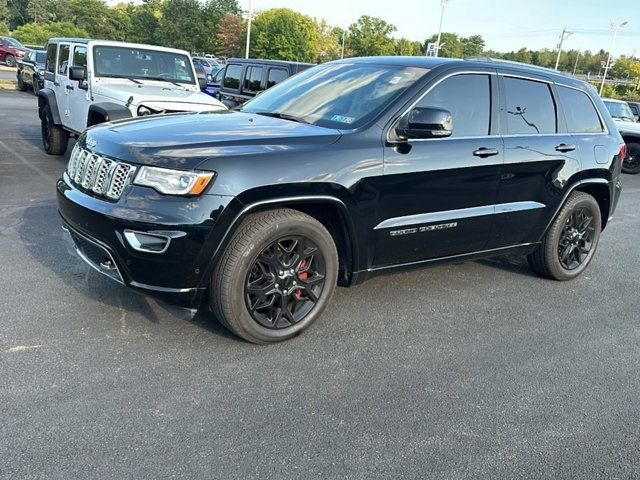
178,274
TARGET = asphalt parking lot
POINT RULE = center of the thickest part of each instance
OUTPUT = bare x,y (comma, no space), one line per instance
475,370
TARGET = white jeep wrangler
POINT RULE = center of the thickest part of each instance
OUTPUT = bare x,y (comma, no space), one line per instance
87,82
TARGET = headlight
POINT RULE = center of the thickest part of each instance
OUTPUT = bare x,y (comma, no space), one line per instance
173,182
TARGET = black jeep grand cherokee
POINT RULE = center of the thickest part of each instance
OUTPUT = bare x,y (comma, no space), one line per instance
347,170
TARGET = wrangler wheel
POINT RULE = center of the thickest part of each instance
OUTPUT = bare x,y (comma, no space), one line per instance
54,137
275,277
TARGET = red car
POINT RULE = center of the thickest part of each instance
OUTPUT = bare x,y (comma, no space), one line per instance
11,50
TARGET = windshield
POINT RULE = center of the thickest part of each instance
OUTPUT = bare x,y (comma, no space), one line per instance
13,42
620,110
336,95
139,63
41,57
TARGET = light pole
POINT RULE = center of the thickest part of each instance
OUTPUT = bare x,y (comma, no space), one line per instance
565,34
615,29
246,53
344,32
444,4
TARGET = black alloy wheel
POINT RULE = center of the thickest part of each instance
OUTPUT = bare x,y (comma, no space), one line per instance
570,242
275,277
285,282
576,239
631,164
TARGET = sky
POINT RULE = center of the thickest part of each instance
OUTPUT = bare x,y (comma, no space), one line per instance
504,24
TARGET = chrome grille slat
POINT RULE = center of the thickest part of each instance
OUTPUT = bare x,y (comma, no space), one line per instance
101,176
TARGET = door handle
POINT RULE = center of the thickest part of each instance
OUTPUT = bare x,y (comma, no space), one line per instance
69,87
563,147
485,152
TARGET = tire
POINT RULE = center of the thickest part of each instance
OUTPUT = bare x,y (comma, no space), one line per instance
36,85
10,60
567,248
253,262
54,137
631,164
21,85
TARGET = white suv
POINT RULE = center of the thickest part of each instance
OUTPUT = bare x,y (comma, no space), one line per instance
87,82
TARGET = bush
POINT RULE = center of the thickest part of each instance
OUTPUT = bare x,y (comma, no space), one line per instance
38,34
4,29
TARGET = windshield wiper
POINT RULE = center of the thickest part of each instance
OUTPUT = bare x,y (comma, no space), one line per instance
283,116
160,79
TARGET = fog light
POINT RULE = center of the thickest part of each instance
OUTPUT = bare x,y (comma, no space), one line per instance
147,242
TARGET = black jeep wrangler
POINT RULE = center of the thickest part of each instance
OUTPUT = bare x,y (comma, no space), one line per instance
348,170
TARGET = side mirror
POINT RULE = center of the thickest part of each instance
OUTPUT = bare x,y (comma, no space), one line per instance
77,73
426,123
202,82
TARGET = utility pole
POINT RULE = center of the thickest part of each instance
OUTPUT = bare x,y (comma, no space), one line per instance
246,54
565,34
615,29
575,65
444,4
343,35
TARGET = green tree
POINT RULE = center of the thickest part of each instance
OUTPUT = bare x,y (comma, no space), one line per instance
408,47
626,68
40,11
213,12
38,34
182,25
144,22
4,12
451,45
472,46
17,13
231,36
281,33
371,36
330,41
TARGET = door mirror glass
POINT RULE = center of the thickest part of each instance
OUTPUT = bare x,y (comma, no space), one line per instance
426,123
77,73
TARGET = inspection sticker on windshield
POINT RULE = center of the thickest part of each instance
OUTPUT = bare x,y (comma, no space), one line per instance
342,119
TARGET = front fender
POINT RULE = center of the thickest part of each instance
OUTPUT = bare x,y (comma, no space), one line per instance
47,96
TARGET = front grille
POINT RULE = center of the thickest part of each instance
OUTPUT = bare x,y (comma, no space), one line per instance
99,175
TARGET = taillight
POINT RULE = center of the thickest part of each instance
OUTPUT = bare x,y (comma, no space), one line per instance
623,151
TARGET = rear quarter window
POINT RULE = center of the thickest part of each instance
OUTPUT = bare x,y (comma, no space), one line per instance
232,77
52,53
579,111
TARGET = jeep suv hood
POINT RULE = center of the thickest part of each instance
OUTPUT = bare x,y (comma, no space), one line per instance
624,126
159,95
184,141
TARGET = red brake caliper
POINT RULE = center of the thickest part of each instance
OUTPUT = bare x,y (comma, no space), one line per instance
302,276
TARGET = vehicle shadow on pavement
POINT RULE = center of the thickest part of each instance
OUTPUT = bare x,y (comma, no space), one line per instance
511,263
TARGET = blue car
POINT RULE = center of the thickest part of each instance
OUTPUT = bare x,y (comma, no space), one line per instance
214,80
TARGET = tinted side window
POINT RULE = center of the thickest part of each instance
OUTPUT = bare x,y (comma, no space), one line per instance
276,75
468,98
232,77
579,111
218,77
80,57
52,51
63,60
252,79
530,107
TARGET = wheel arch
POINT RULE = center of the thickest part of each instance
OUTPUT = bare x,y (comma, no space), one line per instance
46,96
329,210
600,191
